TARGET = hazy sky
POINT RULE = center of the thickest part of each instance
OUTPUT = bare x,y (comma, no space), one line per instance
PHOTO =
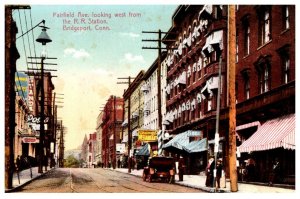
89,62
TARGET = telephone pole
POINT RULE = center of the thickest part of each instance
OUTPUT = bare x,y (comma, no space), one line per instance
128,118
11,56
232,98
158,70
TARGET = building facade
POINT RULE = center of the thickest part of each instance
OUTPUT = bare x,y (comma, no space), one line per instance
111,130
193,61
265,75
99,139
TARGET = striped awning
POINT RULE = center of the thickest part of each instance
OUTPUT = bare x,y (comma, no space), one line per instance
275,133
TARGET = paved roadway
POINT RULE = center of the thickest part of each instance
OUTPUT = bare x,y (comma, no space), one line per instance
83,180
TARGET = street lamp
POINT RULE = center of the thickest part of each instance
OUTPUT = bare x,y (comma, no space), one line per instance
43,39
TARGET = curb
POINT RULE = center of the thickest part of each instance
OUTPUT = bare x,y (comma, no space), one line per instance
27,182
206,189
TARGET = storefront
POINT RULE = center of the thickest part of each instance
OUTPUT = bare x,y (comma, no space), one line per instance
274,139
192,147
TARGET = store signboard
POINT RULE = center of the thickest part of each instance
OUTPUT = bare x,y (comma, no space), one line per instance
30,140
147,135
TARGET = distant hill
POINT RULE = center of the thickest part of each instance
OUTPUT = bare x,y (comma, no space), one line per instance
75,152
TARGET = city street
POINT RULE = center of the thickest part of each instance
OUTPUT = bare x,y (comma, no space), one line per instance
78,180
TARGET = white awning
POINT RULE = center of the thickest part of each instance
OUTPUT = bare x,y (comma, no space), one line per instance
135,132
135,114
199,97
124,123
182,78
193,104
145,88
125,139
213,39
206,10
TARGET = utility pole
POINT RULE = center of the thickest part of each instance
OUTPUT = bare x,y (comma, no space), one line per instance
158,71
232,98
55,123
42,111
128,117
114,130
11,56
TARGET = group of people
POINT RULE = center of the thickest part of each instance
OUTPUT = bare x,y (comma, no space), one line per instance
213,170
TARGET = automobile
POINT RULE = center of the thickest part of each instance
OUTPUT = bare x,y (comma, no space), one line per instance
159,168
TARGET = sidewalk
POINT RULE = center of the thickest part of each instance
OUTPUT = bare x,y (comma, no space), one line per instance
25,177
198,182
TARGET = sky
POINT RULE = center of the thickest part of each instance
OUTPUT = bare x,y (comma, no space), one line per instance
89,62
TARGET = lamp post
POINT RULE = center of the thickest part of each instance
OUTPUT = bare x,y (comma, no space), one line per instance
43,39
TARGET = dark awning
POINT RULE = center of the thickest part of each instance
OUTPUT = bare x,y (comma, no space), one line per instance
143,151
196,146
182,142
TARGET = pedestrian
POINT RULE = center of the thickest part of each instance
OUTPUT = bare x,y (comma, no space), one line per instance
18,164
250,166
275,172
219,173
181,167
210,172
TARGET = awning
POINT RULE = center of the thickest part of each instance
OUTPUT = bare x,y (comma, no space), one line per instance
196,146
135,132
182,78
182,140
275,133
205,11
124,123
143,151
125,139
214,38
145,88
134,114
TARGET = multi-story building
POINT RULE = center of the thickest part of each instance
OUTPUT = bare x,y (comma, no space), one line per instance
91,155
111,130
133,115
265,76
151,102
193,61
99,139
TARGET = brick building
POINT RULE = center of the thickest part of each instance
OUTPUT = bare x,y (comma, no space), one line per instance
111,129
192,82
265,76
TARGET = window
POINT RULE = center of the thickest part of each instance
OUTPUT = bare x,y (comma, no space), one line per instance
285,17
284,53
264,78
286,69
264,25
246,34
247,40
247,88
